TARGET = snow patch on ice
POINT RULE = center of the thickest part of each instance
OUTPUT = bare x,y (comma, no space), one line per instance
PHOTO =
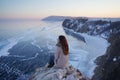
12,42
31,57
114,59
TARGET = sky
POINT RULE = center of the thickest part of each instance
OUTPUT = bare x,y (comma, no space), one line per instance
43,8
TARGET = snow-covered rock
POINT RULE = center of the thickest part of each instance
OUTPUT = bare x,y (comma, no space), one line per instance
68,73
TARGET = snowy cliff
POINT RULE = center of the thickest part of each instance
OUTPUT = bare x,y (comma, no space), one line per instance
103,28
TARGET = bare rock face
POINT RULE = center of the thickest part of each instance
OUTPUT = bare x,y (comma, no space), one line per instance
69,73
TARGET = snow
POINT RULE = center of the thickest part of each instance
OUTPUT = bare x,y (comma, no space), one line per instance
114,59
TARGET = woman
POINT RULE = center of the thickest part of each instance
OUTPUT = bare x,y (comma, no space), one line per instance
60,59
62,51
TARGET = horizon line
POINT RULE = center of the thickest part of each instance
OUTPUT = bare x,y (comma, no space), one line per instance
35,18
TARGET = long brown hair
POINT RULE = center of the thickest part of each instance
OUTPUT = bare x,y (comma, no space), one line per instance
64,44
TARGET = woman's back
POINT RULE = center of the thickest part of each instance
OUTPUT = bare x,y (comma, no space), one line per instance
61,60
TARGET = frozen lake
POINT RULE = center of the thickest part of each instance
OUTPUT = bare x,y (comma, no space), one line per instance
30,43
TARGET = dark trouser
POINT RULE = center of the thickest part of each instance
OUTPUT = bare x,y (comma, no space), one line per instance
51,61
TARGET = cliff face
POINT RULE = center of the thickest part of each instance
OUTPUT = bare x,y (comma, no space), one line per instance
108,65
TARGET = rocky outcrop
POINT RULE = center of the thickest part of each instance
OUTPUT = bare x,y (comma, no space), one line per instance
69,73
78,36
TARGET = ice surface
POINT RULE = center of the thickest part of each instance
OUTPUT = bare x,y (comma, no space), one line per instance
31,57
83,57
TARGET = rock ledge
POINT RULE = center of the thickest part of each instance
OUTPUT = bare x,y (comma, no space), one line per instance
69,73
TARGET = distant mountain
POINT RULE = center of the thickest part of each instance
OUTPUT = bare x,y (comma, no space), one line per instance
59,18
56,18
